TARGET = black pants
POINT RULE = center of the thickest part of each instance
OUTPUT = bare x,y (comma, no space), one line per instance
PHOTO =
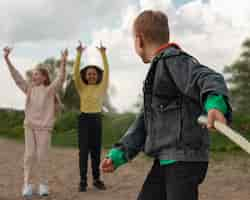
89,140
177,181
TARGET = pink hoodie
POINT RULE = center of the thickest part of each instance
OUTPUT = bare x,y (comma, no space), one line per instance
40,108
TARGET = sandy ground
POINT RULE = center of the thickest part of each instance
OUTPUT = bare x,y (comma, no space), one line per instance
228,177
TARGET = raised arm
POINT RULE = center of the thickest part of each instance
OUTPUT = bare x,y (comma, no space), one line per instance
19,80
105,79
58,82
79,84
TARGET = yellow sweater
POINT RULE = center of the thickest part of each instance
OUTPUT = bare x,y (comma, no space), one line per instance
91,96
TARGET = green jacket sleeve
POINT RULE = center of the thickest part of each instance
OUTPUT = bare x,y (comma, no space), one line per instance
216,102
117,156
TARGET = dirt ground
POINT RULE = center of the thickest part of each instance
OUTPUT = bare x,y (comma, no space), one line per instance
228,177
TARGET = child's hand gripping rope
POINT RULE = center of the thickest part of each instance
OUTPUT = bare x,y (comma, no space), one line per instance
228,132
214,115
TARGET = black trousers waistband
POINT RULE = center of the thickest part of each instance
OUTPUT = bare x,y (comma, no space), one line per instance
90,115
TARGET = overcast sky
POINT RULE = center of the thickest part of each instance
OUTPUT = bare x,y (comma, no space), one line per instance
212,30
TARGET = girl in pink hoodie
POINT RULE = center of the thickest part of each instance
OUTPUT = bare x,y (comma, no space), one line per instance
40,110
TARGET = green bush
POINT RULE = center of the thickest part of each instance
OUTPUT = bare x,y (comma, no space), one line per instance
11,124
114,126
66,121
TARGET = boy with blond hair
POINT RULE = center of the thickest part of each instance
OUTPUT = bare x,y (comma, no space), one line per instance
177,90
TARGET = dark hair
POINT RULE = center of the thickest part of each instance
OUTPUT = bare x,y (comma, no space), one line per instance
153,25
99,71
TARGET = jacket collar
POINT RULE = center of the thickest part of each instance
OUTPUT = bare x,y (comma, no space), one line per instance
165,46
166,50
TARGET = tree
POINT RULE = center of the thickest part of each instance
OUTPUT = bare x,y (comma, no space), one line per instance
239,80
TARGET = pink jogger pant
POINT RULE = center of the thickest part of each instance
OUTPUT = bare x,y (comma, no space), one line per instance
37,144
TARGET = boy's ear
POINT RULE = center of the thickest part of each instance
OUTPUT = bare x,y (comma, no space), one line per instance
141,40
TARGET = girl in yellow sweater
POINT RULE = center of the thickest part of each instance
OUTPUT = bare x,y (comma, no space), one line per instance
91,84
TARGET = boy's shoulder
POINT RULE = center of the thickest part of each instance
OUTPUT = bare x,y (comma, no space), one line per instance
180,62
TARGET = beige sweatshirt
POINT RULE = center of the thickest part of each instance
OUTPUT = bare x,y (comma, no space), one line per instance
40,100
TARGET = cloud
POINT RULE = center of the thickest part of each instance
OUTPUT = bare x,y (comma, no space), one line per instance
212,31
156,5
29,20
206,31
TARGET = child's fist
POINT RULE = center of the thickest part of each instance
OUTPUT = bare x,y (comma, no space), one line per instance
80,47
7,51
64,54
102,49
107,166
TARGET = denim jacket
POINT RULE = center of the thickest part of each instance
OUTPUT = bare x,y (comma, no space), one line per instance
174,91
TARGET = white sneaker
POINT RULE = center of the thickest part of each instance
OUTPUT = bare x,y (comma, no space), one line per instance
27,190
43,190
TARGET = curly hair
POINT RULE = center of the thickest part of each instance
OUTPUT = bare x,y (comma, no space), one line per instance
99,71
